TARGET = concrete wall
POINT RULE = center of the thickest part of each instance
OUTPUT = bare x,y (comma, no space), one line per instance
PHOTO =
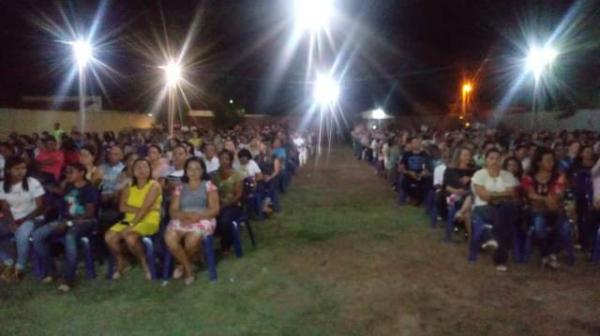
553,120
29,121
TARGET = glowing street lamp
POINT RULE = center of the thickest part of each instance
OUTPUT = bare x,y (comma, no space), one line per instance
172,79
83,53
313,15
172,74
467,87
466,90
326,91
539,59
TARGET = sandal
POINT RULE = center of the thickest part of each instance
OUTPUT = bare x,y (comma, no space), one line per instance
178,272
116,275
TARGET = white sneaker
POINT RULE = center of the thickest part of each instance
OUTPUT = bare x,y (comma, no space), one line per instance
64,288
501,268
551,262
490,245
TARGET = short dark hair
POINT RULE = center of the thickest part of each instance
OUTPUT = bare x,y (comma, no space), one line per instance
155,146
228,153
244,153
79,167
492,150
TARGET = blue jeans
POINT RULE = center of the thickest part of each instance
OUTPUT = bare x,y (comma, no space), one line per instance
71,236
22,241
547,229
502,219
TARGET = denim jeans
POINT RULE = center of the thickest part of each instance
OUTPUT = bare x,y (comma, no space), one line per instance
547,228
71,235
22,241
502,218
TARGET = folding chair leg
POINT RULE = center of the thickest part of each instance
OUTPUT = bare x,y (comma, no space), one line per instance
596,250
150,256
167,265
110,267
209,256
237,243
89,260
250,233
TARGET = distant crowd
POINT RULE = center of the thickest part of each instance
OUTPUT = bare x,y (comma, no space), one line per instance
507,192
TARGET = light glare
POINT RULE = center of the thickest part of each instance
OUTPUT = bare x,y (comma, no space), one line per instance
313,14
327,90
83,52
378,113
172,73
539,59
467,88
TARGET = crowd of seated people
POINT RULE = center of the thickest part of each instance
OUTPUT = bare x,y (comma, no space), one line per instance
523,192
116,189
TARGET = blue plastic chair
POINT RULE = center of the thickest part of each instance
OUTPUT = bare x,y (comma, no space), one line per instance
209,255
150,251
401,193
237,241
596,251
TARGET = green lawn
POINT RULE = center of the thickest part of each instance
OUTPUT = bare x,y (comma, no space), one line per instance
342,258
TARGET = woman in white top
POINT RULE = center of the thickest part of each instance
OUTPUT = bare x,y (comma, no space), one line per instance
495,192
21,204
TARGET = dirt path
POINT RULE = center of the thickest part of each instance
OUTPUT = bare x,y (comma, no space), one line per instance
391,274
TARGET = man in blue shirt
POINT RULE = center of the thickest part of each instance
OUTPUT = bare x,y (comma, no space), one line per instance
416,167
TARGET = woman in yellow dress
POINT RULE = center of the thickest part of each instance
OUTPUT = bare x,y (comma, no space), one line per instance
141,203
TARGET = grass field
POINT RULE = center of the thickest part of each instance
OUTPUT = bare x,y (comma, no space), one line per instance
342,259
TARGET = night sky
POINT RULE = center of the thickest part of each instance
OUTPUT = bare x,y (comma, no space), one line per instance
397,52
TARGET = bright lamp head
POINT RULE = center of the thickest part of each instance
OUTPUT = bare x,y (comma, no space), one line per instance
83,52
172,73
378,113
313,14
539,59
326,91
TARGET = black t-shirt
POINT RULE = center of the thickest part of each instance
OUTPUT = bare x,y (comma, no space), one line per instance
75,200
452,177
416,162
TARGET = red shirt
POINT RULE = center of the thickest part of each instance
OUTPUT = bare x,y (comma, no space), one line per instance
71,157
56,166
557,186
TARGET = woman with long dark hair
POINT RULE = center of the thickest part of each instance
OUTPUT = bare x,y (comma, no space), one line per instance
21,203
545,188
194,207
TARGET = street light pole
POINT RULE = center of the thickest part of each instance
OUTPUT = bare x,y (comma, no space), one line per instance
82,116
